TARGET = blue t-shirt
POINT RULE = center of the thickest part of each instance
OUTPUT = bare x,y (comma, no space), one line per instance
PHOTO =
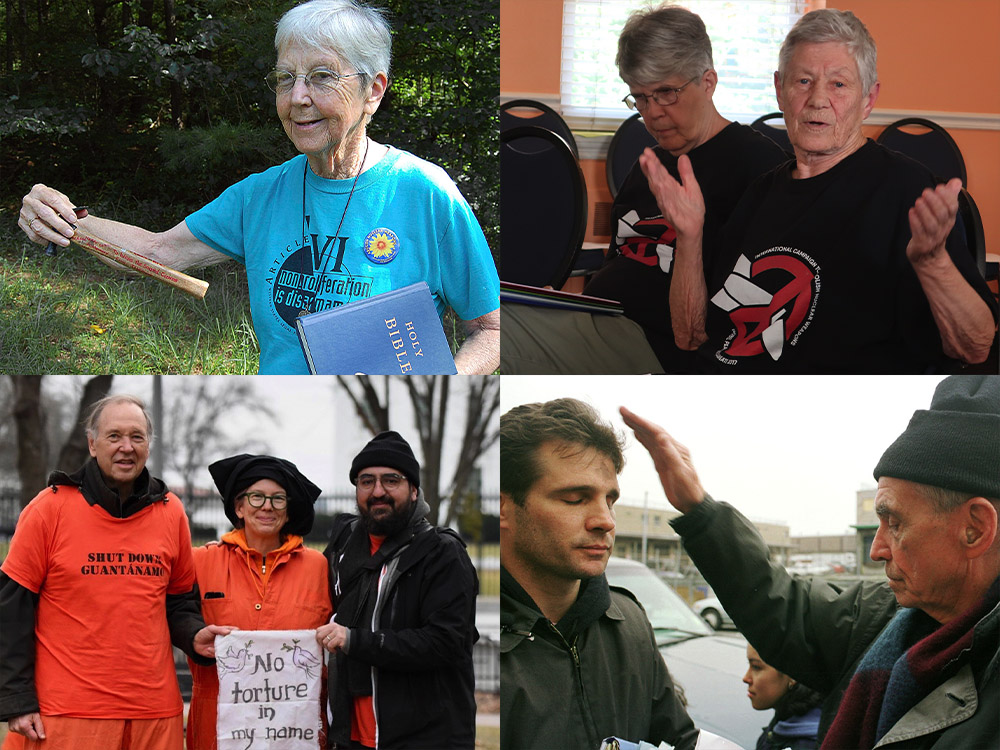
406,222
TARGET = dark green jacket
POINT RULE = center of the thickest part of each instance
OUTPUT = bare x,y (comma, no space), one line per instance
597,674
817,632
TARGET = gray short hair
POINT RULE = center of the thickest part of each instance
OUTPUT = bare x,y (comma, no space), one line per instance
945,500
829,25
94,415
358,34
657,43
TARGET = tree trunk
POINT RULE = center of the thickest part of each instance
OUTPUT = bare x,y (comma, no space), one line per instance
372,410
74,450
32,447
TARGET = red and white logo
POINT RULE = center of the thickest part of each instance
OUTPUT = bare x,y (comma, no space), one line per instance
771,302
648,241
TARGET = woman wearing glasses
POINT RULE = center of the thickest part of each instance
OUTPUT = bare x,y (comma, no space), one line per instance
665,59
259,576
347,219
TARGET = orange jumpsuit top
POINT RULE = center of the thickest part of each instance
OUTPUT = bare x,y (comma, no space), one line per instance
287,591
102,647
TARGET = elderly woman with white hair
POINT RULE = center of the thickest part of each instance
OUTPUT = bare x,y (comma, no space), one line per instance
347,219
845,260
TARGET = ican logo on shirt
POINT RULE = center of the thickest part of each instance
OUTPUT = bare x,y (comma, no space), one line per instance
315,276
771,303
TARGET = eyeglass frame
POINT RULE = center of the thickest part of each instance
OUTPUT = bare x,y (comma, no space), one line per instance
338,77
666,90
272,498
380,479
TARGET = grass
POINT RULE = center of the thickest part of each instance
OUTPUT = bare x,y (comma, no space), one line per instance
73,314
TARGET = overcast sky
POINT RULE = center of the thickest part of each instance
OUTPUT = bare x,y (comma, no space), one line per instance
316,426
780,448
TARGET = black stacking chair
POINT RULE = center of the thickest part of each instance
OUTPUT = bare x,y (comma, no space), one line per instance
628,142
778,135
933,146
972,222
543,207
530,112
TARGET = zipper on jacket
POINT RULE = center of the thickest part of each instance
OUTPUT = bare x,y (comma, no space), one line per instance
526,633
574,653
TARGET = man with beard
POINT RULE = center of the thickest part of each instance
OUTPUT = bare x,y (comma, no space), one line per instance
404,593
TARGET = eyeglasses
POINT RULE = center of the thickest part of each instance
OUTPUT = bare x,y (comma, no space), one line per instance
389,481
664,97
256,500
319,80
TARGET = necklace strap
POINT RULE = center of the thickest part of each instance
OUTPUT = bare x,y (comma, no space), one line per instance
305,172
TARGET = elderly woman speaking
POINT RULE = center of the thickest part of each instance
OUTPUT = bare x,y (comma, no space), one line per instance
347,219
844,260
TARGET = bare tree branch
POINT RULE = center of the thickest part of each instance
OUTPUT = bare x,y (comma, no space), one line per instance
371,410
431,397
74,449
196,421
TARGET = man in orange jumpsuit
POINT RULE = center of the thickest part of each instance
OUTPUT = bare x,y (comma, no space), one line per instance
98,582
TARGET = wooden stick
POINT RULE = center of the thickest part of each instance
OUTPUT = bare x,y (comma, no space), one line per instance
142,264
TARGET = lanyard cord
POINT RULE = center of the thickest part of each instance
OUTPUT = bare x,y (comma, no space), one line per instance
350,195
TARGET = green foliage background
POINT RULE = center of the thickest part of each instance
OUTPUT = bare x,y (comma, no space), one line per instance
158,106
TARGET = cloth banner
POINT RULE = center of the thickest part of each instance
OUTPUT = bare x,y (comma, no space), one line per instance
269,689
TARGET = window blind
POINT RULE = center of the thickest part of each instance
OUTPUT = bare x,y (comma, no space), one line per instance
746,36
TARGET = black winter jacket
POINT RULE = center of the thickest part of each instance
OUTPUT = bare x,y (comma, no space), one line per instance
817,633
595,674
419,649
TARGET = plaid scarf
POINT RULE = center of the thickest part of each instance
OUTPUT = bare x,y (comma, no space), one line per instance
911,657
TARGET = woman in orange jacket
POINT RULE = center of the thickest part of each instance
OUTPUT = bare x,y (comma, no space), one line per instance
259,576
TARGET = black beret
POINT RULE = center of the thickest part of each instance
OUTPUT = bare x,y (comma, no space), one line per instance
234,474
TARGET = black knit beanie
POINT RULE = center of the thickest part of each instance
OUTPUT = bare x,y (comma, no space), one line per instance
234,474
387,449
955,444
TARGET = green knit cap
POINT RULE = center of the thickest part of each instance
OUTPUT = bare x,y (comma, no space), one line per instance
955,444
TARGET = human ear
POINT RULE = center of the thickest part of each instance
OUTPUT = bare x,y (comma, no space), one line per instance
871,98
713,80
979,527
777,91
378,87
505,509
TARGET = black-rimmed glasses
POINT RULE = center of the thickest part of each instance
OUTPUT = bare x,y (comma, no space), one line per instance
257,499
389,481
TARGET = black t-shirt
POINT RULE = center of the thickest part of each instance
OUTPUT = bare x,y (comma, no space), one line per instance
638,267
811,275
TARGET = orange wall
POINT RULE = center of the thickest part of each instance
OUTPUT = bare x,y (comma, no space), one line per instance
943,57
933,56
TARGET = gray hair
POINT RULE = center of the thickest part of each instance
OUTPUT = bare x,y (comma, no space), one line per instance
94,415
945,500
358,34
829,25
657,43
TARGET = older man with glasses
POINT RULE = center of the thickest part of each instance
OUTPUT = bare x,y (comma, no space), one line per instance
404,593
665,58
